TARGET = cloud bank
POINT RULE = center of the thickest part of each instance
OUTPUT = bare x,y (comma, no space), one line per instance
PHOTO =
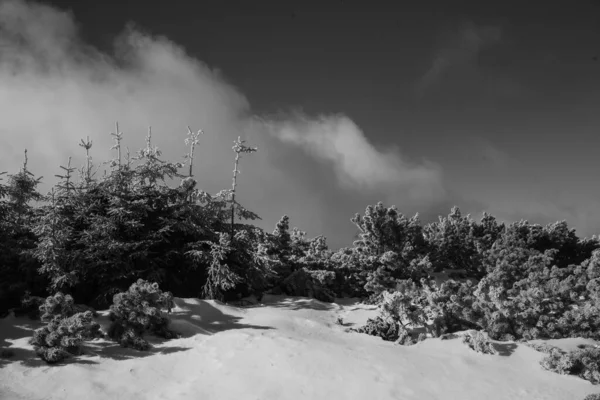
57,89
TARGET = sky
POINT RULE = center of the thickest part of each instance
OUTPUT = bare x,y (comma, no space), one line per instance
488,107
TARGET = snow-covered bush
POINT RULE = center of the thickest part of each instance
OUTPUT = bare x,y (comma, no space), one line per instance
302,283
524,295
453,242
449,307
480,343
380,327
440,310
396,311
541,347
593,396
59,305
62,337
390,248
138,311
584,363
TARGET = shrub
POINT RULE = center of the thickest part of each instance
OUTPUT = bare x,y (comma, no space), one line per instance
594,396
395,310
30,306
526,296
541,347
385,329
449,307
452,243
59,305
440,310
138,311
63,337
405,338
350,275
390,248
584,363
480,343
306,283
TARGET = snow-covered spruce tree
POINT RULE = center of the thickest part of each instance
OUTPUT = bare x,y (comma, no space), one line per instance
279,246
237,267
239,148
54,230
220,277
286,248
317,263
235,258
138,311
18,269
126,225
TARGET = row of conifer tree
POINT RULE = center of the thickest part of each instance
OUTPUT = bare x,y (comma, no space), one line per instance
93,237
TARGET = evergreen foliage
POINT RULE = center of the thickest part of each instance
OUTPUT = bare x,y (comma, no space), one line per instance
390,248
138,311
18,270
380,327
59,305
584,363
480,343
453,244
62,337
594,396
91,238
523,293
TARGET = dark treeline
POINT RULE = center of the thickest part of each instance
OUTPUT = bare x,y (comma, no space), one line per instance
92,238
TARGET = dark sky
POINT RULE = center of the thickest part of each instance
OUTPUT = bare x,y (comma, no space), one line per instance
488,106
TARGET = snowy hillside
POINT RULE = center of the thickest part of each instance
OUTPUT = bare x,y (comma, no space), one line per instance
286,348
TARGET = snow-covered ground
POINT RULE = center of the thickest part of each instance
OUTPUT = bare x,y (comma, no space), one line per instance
286,348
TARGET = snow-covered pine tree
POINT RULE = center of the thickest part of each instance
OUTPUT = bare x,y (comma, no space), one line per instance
18,269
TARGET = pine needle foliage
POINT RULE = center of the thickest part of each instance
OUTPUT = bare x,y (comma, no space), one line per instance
146,218
137,311
63,337
18,269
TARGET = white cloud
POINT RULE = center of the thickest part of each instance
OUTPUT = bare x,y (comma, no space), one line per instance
57,89
358,164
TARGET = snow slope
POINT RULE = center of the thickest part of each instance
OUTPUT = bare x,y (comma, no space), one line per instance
286,348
